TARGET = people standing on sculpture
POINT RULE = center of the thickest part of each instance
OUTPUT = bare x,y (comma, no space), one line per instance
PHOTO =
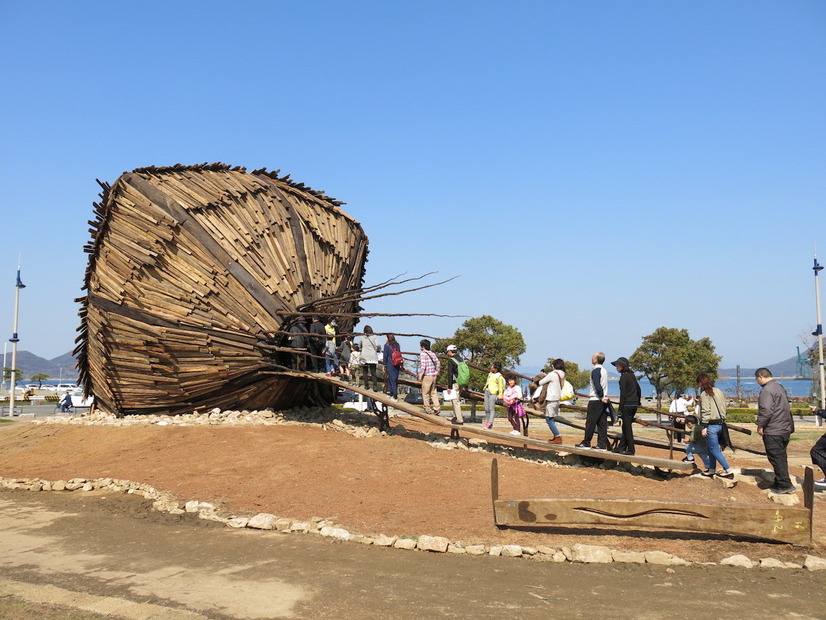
775,425
629,402
596,418
818,451
679,406
695,442
429,367
512,398
452,381
370,350
713,419
393,362
315,343
298,342
494,389
345,351
552,384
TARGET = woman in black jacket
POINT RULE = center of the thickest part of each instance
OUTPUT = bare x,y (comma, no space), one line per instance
629,400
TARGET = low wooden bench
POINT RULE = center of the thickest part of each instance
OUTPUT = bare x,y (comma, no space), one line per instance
764,521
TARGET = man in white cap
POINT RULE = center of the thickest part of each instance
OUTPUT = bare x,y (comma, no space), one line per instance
452,374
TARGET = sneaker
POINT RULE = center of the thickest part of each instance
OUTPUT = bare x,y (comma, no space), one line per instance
486,425
820,483
688,460
728,475
558,439
582,444
782,491
601,449
456,421
517,433
707,473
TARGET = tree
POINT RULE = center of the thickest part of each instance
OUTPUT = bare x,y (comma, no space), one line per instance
18,375
671,360
40,378
482,341
576,377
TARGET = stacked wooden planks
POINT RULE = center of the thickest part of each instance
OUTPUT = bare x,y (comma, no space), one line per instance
190,269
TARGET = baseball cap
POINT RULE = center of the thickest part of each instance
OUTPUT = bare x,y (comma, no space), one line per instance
452,347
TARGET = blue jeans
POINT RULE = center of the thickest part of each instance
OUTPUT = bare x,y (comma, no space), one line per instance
552,407
331,360
702,451
715,454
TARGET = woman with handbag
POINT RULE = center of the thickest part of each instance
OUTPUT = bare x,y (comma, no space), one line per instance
712,422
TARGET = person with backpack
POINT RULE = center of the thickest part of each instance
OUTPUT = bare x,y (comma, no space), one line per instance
553,382
393,362
458,375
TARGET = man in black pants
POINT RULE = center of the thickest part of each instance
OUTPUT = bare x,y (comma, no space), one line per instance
775,425
315,342
596,418
629,400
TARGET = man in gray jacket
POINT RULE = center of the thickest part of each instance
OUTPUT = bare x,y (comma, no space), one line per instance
775,425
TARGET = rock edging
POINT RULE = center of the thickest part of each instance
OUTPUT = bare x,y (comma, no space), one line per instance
578,553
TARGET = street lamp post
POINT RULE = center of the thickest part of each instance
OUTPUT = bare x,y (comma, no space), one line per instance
14,340
819,333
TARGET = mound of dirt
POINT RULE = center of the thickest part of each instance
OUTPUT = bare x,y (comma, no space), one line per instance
396,484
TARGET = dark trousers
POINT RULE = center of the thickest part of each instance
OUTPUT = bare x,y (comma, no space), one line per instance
678,434
596,419
818,454
776,453
627,413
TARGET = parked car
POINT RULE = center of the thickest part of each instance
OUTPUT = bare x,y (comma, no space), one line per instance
66,387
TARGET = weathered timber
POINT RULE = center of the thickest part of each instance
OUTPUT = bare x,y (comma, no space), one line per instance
764,521
190,269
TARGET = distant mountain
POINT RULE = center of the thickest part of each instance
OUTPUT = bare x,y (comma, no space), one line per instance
30,364
786,368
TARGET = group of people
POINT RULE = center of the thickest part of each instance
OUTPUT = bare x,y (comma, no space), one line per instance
704,432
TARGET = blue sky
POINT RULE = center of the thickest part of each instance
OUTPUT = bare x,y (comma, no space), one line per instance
591,170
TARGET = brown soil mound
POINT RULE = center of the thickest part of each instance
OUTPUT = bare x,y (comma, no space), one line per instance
396,484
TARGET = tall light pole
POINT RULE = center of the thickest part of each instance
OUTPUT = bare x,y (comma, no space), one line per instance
14,340
819,333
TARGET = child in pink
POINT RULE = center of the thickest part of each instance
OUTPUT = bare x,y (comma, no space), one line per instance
513,405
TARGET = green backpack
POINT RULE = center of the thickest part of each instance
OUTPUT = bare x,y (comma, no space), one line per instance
462,373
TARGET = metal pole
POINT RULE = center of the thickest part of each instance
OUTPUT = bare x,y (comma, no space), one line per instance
14,340
5,345
819,333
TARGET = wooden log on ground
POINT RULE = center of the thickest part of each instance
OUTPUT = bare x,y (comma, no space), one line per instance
764,521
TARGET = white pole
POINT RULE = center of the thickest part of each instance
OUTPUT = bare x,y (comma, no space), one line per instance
819,333
14,340
5,345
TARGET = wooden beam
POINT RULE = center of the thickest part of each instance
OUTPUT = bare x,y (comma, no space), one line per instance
766,521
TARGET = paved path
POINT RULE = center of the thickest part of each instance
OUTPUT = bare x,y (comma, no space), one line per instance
113,555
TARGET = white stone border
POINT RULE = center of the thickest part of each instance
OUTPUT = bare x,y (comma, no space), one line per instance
589,554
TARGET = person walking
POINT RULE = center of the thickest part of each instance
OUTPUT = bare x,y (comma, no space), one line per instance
494,388
344,358
393,362
453,360
512,398
712,420
596,418
629,401
552,383
429,367
775,425
695,443
370,349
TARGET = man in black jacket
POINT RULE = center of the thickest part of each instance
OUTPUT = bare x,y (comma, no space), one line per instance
316,345
629,400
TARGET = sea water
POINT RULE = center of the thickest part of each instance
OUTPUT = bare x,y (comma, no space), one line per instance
799,388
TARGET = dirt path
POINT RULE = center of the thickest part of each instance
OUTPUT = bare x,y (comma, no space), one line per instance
115,555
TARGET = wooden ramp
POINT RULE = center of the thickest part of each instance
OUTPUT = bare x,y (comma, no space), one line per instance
496,436
766,521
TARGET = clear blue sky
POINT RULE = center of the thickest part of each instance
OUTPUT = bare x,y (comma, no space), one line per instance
590,170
